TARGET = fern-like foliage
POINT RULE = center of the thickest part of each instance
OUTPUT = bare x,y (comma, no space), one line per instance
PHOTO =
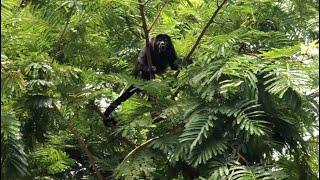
49,160
197,129
282,77
230,169
248,119
145,165
12,82
256,172
13,157
166,144
203,153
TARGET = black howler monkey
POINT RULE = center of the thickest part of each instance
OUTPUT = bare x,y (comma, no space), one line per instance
163,55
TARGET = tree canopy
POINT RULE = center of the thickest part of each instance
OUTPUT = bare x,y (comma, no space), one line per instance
244,104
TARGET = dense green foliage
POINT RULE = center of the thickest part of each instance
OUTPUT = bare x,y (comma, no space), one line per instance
246,108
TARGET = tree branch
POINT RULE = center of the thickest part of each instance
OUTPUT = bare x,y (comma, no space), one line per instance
236,148
128,23
239,156
187,59
137,148
59,41
157,16
172,130
81,142
123,97
146,35
205,29
146,2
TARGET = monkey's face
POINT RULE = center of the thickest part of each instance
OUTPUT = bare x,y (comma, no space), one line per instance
162,43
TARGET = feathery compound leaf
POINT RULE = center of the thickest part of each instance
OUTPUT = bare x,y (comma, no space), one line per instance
220,167
248,119
12,82
197,129
54,160
208,149
7,7
13,156
281,53
180,153
282,76
165,144
255,172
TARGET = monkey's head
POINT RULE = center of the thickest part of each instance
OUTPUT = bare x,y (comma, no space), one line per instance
162,43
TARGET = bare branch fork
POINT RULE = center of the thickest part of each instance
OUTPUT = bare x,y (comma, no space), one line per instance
81,142
239,156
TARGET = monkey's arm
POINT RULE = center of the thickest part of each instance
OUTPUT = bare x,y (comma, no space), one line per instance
172,57
172,63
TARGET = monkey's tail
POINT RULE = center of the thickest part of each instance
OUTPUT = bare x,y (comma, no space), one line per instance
109,121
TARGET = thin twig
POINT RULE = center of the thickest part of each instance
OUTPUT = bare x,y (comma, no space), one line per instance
137,148
59,41
157,16
239,156
172,130
136,34
205,29
187,59
146,2
81,142
128,23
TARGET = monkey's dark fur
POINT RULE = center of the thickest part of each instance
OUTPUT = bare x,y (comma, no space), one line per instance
162,55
